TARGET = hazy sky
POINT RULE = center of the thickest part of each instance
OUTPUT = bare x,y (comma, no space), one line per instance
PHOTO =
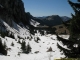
48,7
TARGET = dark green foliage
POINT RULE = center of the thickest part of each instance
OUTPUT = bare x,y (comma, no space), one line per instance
3,34
19,42
73,43
28,48
12,44
38,38
12,36
65,32
5,44
6,33
20,37
2,48
25,49
42,29
23,46
60,26
78,0
64,41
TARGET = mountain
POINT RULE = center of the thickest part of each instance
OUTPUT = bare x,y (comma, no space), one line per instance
13,10
65,18
43,17
51,20
43,47
16,39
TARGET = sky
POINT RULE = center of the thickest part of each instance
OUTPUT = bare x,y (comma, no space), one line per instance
40,8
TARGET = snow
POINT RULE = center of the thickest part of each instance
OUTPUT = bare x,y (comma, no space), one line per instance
34,23
45,42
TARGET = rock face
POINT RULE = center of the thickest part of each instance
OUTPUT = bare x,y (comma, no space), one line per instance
53,20
12,10
50,20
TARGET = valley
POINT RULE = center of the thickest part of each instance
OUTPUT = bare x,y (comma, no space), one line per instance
43,46
24,36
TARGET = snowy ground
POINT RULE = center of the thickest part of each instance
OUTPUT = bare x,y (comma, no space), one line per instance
45,42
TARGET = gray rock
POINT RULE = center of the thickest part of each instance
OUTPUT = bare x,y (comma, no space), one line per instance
12,10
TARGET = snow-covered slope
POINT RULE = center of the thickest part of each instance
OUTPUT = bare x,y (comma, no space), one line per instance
34,23
39,49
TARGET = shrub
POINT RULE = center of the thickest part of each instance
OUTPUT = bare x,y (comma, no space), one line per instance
12,44
37,41
49,50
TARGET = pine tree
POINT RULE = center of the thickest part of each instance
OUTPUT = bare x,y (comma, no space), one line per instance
23,46
25,49
28,50
5,44
2,48
12,44
19,42
73,43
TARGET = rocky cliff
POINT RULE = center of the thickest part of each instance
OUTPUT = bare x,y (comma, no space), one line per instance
12,10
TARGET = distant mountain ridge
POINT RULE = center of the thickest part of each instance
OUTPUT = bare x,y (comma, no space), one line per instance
51,20
65,18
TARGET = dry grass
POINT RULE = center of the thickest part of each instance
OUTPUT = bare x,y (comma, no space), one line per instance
61,29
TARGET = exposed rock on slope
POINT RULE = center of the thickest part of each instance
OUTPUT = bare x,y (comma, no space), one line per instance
53,20
49,20
12,10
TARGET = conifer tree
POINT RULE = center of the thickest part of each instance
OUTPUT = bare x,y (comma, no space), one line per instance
23,46
5,44
28,48
25,49
73,43
2,48
12,44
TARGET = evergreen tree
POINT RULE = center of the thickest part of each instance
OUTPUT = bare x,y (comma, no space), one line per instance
73,43
2,48
12,44
23,46
19,42
5,44
26,49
